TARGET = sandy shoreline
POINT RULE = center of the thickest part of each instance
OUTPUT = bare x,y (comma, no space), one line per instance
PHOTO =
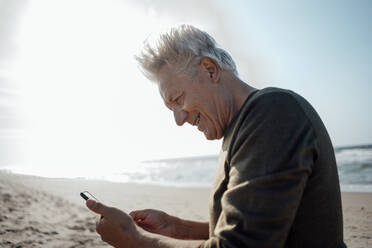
357,211
41,212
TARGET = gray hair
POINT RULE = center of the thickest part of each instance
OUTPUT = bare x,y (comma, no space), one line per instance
183,46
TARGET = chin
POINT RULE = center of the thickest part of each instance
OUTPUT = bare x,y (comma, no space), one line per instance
212,137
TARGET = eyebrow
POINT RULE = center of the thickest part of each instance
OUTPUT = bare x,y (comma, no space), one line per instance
169,98
167,101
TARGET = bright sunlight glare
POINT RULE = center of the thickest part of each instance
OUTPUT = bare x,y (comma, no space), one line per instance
75,70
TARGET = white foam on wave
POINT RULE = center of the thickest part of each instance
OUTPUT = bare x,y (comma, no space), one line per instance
356,188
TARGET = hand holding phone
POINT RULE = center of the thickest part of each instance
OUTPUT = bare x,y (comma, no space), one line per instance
86,196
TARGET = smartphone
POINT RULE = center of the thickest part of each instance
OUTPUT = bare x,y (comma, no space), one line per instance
86,195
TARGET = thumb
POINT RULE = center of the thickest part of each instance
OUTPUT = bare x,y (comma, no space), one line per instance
138,214
97,207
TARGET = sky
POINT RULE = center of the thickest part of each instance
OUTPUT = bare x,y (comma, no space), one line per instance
71,92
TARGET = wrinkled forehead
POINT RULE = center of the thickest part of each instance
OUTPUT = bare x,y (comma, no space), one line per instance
168,82
164,92
164,82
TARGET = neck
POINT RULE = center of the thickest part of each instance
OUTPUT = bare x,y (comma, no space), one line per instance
242,92
239,93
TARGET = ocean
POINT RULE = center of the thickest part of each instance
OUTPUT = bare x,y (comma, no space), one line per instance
354,167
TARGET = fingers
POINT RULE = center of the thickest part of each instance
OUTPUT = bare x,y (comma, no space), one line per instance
98,207
100,225
139,214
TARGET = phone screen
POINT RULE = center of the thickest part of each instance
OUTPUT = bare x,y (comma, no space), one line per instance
86,195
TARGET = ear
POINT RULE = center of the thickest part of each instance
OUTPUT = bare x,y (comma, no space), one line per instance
211,68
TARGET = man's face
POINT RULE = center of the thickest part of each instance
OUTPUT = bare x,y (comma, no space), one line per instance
193,100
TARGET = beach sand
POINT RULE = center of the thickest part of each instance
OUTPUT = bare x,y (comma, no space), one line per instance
42,212
357,210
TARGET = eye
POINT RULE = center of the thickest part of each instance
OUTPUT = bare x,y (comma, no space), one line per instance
178,100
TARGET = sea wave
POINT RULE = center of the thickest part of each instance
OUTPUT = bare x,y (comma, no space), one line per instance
354,169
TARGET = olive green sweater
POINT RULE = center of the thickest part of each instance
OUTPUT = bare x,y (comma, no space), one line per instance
277,183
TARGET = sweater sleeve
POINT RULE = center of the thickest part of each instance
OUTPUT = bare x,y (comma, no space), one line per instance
270,160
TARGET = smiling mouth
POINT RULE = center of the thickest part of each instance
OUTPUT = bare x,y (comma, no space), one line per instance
197,119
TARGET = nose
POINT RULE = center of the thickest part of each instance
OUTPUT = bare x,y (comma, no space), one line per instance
180,116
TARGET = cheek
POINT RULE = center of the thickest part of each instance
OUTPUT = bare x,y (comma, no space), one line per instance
209,113
190,104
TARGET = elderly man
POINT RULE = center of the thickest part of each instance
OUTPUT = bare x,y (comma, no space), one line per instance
277,182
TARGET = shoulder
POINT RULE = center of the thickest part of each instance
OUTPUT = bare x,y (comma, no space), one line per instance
270,97
266,106
266,111
271,116
273,128
272,105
